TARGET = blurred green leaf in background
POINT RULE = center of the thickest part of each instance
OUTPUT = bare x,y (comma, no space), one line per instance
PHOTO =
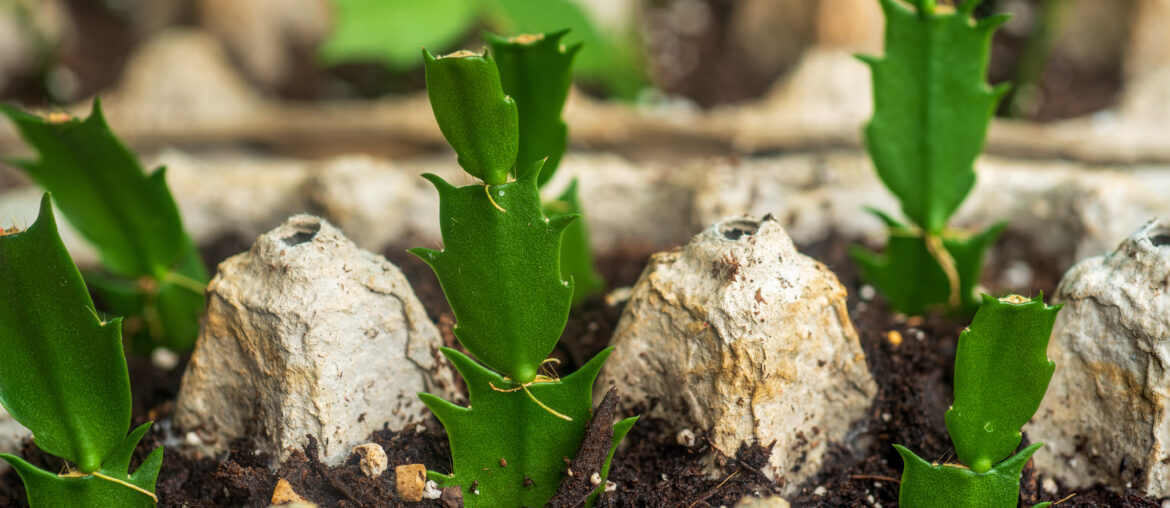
392,31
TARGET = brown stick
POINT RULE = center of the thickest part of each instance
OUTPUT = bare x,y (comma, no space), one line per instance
712,492
874,477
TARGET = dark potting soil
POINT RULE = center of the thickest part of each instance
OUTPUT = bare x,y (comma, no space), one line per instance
913,375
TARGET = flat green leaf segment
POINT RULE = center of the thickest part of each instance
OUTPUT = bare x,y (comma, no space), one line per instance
912,279
1001,374
500,270
132,220
932,106
610,59
53,350
129,216
391,31
114,487
926,485
536,71
63,375
503,437
576,249
475,116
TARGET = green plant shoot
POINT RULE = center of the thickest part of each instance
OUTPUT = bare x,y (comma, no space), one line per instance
536,72
500,271
153,272
909,274
932,107
63,375
1001,374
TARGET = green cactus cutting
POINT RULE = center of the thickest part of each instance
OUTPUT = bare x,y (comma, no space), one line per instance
153,272
932,108
536,72
1001,374
500,270
909,274
63,375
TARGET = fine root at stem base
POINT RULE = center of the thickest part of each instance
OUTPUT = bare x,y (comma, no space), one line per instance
487,192
934,245
539,379
78,474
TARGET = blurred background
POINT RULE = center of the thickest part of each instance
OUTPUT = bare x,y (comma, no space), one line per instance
1067,58
263,108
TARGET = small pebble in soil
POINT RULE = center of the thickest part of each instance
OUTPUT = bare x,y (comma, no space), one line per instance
866,293
410,481
431,490
164,359
895,337
685,437
373,459
284,493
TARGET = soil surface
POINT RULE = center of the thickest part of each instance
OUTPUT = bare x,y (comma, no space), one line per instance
914,377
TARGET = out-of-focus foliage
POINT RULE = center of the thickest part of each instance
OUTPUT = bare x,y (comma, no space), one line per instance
392,31
153,275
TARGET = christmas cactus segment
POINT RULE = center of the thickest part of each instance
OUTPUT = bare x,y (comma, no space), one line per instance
500,270
1001,374
479,122
909,274
932,108
63,376
154,275
929,485
536,71
501,273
